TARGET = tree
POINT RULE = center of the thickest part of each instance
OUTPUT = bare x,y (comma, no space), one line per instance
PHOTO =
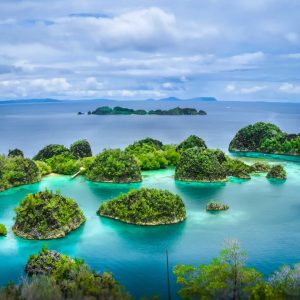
81,149
15,152
226,277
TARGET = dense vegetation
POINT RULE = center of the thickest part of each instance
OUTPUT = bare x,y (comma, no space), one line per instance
237,168
227,277
47,215
81,149
190,142
196,164
114,165
145,207
215,206
15,152
62,160
151,154
277,172
3,230
106,110
17,170
266,138
54,276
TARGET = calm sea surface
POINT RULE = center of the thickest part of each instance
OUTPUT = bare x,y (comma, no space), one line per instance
263,215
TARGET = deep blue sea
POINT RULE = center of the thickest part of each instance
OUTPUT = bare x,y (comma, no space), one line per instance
263,215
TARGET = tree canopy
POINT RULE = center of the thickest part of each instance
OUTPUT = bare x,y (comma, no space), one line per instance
81,149
145,207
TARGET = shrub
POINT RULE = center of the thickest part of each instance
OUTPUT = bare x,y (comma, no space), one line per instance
3,230
44,168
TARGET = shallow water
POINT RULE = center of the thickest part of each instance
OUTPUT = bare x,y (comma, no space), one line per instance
263,215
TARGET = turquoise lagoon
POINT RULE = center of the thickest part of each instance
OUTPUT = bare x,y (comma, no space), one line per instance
264,215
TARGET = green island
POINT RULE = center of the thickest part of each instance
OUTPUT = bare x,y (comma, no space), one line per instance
215,206
114,166
196,164
51,275
145,207
190,142
3,230
228,277
118,110
265,138
16,171
46,215
152,154
277,172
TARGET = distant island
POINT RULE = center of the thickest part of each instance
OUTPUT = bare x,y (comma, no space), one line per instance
265,138
118,110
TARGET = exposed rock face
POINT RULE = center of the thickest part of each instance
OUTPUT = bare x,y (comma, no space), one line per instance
46,215
145,207
277,172
215,206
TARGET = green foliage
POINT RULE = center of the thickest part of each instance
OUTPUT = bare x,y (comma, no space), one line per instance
44,168
81,149
190,142
3,231
114,165
15,152
15,171
277,172
266,138
145,207
46,215
196,164
105,110
64,164
237,168
56,276
152,154
260,168
226,277
50,151
177,111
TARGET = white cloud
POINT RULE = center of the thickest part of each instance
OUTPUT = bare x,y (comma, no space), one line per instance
92,84
232,88
290,88
292,37
292,55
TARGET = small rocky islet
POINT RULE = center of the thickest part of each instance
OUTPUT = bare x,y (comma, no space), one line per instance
46,215
147,207
215,206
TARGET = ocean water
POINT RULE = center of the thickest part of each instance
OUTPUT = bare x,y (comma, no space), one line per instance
264,215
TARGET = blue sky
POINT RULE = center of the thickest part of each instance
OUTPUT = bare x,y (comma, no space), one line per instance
81,49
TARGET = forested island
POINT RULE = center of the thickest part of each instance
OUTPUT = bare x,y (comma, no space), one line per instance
52,275
46,215
145,207
265,138
118,110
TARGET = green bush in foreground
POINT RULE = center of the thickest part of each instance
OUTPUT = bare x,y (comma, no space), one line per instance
196,164
227,277
145,207
115,166
3,231
47,215
16,171
44,168
54,276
